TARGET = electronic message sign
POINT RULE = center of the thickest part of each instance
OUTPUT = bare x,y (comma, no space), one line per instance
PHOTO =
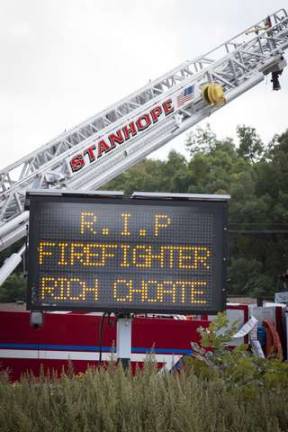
118,254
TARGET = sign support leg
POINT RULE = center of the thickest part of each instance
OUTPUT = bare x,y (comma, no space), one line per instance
124,336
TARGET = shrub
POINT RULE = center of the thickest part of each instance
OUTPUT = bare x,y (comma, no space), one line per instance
115,400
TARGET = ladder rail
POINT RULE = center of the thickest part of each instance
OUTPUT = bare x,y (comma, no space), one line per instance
209,69
184,68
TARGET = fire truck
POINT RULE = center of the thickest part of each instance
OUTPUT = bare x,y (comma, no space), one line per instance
89,155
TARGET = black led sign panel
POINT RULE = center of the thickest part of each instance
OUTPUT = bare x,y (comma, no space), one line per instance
126,254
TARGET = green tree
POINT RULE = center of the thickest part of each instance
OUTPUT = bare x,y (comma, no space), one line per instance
154,175
250,144
217,169
201,140
13,289
145,176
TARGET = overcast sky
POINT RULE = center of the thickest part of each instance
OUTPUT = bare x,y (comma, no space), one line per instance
64,60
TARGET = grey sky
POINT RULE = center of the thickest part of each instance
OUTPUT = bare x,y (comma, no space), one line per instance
64,60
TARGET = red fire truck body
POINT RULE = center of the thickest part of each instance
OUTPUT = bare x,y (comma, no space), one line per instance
75,338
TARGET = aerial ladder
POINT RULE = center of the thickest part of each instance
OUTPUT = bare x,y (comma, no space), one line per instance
100,148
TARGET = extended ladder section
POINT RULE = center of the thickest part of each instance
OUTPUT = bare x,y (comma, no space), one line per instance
97,150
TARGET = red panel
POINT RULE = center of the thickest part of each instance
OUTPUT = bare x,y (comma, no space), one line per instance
18,367
279,317
165,333
62,329
74,329
83,331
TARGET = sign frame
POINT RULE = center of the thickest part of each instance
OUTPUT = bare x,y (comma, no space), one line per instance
217,202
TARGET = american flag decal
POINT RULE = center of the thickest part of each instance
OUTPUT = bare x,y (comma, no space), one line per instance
185,95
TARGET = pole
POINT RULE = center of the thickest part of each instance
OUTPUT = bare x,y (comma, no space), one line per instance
124,333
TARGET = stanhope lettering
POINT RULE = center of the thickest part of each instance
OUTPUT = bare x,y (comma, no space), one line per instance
118,137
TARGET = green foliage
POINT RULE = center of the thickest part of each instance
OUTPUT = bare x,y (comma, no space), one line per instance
153,175
142,177
218,334
250,144
13,288
114,400
238,368
256,285
201,141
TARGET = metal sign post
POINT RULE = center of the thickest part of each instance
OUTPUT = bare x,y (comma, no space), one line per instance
124,337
